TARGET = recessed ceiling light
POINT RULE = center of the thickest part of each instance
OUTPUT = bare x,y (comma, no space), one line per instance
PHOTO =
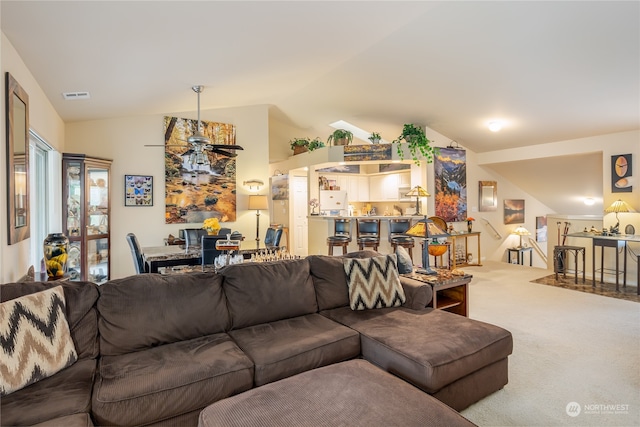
495,125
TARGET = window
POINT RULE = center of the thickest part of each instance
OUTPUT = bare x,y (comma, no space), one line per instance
45,182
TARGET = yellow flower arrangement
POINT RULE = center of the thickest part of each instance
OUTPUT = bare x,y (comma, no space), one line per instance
212,225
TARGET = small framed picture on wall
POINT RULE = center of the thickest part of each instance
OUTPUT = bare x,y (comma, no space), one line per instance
621,173
541,229
138,190
514,211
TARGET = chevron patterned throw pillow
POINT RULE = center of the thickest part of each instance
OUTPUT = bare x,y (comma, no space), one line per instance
34,338
373,282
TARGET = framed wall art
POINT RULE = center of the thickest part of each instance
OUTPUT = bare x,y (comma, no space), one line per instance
199,183
450,169
621,173
138,190
541,229
514,211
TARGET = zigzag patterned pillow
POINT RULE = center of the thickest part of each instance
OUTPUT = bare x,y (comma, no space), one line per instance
35,341
373,282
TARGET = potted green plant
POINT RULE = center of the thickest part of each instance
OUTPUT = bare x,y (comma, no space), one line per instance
417,143
299,145
375,138
340,137
315,143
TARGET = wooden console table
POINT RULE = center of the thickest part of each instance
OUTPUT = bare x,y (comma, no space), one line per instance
450,292
459,262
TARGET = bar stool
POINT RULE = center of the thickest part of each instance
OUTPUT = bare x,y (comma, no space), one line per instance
397,228
368,233
341,235
560,252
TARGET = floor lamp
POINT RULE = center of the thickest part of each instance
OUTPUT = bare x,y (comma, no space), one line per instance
425,229
258,203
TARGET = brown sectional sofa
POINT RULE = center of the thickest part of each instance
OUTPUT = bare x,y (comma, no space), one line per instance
157,350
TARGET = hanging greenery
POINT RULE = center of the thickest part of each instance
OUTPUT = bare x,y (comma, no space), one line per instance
417,143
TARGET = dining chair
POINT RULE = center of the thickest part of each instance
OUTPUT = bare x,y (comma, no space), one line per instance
368,230
341,235
397,228
208,248
192,236
272,238
136,252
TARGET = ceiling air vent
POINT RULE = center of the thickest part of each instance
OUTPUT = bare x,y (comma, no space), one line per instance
76,95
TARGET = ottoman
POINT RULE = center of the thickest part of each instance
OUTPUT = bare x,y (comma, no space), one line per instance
352,393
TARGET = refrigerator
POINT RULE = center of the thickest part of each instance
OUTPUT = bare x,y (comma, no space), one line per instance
333,202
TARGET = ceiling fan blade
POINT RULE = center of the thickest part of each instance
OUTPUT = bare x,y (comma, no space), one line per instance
223,152
226,146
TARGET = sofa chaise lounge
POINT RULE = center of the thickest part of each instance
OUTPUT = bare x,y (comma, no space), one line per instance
157,350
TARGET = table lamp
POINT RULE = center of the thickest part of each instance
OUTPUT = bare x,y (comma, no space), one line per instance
258,203
618,206
521,231
418,192
425,229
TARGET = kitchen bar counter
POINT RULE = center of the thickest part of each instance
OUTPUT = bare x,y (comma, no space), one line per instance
321,227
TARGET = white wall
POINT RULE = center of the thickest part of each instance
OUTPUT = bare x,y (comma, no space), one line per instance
14,259
124,139
479,169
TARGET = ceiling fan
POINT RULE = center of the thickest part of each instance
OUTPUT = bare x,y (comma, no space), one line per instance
201,143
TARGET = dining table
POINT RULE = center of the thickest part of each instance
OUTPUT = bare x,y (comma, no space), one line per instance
156,257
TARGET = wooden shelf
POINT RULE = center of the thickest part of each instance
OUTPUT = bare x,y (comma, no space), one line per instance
445,302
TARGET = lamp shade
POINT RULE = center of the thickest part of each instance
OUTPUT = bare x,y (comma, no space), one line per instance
425,228
521,231
619,206
257,202
418,192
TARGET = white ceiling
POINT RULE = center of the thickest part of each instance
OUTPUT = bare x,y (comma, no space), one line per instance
553,70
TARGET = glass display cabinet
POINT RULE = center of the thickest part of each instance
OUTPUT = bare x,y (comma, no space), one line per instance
86,208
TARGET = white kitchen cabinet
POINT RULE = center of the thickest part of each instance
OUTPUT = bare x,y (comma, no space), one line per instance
383,187
405,179
390,186
363,188
375,187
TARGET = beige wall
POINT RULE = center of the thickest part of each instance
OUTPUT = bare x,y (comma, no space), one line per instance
14,259
123,140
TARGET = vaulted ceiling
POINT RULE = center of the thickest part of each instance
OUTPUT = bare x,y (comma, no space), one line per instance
551,70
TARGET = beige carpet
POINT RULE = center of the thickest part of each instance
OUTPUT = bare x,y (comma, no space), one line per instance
571,349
